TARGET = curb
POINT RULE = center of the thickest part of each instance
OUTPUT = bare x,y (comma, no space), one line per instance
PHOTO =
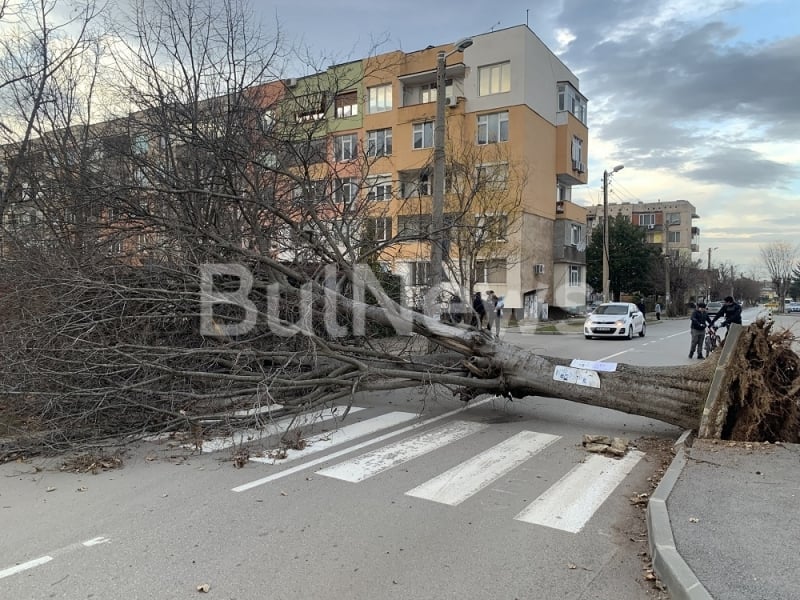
681,582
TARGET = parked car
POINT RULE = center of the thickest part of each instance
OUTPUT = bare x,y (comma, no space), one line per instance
713,307
793,307
615,319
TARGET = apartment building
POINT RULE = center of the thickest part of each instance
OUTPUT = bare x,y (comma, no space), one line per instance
515,131
669,225
361,134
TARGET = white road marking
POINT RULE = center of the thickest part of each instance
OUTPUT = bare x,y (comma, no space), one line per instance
462,481
96,541
312,463
570,503
342,435
25,566
36,562
371,463
272,428
613,355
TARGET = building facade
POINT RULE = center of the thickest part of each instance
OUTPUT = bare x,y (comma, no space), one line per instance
514,111
360,135
669,225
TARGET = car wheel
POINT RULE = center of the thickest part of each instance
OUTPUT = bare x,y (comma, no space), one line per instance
644,329
630,333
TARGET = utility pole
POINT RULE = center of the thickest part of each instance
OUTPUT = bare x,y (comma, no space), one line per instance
437,203
666,264
606,177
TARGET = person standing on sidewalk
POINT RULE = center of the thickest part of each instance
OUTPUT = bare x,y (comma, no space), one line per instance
700,320
491,309
658,311
479,309
498,315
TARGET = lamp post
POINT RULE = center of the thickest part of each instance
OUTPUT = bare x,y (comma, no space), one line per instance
606,177
437,205
708,274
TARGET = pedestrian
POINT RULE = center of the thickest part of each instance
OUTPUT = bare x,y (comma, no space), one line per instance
699,322
491,307
658,311
479,309
456,310
498,314
731,310
642,308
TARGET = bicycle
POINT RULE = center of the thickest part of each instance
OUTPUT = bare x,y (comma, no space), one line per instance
711,339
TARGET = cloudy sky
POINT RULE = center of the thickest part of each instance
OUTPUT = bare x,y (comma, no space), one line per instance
699,100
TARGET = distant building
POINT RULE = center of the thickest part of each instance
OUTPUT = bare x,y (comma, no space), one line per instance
666,224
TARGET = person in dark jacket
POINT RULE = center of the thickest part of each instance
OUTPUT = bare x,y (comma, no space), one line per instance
731,310
479,308
700,320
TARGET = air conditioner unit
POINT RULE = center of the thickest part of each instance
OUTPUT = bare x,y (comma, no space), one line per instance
651,227
451,101
538,269
581,167
291,82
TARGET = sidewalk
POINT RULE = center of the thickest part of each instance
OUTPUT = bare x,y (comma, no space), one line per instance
724,521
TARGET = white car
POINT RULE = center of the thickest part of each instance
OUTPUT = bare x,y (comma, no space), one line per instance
615,319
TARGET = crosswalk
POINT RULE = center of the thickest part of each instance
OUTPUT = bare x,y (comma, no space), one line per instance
567,505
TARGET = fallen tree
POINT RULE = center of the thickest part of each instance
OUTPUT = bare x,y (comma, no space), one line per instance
123,355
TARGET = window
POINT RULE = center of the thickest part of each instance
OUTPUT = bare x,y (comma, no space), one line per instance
140,145
346,190
493,128
423,135
314,191
492,177
575,235
379,229
674,237
346,105
649,219
427,92
379,142
494,79
413,226
493,227
674,218
416,183
491,271
380,98
577,151
420,272
574,276
571,100
344,146
379,187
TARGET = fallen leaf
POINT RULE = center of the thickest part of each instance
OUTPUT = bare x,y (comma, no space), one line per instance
83,488
50,489
572,566
694,520
203,588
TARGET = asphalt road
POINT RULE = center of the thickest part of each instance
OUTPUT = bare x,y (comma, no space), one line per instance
410,496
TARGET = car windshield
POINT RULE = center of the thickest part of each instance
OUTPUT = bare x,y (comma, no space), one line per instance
612,309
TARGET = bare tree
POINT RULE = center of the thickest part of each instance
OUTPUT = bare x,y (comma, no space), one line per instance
780,260
217,267
38,48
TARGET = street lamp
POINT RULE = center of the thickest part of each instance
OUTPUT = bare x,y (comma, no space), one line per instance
606,177
437,205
